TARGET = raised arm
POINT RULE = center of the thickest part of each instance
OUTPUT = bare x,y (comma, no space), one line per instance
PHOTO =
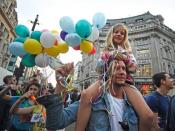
15,109
59,117
5,90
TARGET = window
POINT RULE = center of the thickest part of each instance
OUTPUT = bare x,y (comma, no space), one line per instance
139,20
163,67
143,53
144,70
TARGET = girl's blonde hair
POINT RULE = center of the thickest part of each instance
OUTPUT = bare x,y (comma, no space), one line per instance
109,40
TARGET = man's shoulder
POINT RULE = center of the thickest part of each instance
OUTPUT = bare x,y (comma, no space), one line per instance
153,96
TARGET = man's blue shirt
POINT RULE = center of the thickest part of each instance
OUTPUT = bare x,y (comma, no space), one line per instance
158,104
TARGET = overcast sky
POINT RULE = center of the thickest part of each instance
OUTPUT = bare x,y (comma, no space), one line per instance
50,12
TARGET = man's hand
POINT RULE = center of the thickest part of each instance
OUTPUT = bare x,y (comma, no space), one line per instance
61,73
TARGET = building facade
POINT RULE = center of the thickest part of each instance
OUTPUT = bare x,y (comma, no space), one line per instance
153,45
8,20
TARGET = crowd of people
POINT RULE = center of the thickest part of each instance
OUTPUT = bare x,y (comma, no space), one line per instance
20,110
112,103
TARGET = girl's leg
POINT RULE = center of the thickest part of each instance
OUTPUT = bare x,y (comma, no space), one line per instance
84,110
146,116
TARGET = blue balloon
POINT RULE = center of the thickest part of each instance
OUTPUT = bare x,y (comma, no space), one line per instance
73,39
63,35
83,28
67,24
22,31
36,35
16,48
19,39
99,20
28,60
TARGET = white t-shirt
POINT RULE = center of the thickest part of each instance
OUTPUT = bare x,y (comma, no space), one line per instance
117,107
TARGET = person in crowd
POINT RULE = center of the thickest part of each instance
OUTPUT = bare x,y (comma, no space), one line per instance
75,96
20,122
118,48
9,87
32,116
171,116
158,100
111,111
11,80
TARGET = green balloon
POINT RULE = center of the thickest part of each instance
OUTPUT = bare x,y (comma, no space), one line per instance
36,35
28,60
19,39
22,31
83,28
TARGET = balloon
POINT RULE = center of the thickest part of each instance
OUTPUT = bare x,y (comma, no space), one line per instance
45,30
83,28
16,48
93,51
99,20
47,39
94,34
42,60
32,46
63,47
67,24
76,47
86,46
36,35
56,42
19,39
55,63
22,31
63,35
28,60
54,32
52,51
73,39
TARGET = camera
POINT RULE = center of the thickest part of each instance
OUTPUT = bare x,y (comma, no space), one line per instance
124,125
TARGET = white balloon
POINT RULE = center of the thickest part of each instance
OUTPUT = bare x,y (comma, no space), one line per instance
55,63
67,24
94,35
99,20
42,60
47,39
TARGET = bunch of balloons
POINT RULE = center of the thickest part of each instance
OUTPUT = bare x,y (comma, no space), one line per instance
38,47
82,35
41,48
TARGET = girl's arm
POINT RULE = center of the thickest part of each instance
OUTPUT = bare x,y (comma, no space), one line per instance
15,109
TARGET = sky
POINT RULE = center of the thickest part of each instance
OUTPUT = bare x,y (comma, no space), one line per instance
50,12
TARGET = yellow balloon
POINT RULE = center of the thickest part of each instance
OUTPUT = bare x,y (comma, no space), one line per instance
63,47
32,46
52,51
86,46
54,32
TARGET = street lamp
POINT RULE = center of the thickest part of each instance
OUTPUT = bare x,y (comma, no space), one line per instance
35,22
